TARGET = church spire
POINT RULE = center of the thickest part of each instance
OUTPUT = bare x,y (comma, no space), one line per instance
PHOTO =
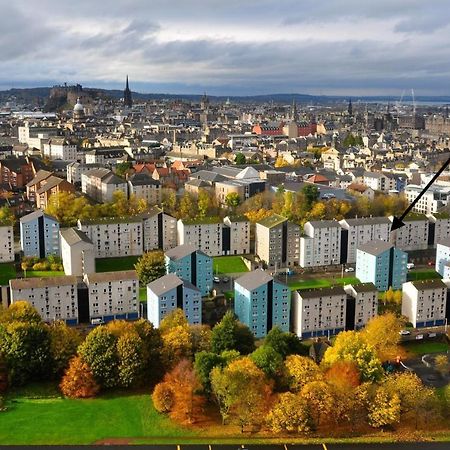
350,108
127,99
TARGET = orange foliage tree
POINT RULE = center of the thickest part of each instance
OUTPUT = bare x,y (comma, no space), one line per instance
78,381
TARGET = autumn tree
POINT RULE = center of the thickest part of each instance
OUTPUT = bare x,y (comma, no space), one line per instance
343,375
20,311
68,207
187,208
290,413
6,216
242,392
442,364
233,200
384,408
268,360
382,333
319,398
163,398
150,266
300,370
78,380
351,346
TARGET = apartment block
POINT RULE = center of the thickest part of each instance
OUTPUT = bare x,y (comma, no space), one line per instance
321,243
414,235
6,243
439,228
277,242
424,302
114,237
192,265
431,201
55,298
361,231
159,230
113,295
261,302
39,235
380,263
170,292
235,235
319,312
77,252
144,187
101,184
443,258
362,304
61,148
380,181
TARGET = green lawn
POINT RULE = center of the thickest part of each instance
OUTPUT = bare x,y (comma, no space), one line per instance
425,347
228,264
422,274
143,294
7,272
321,283
115,264
54,420
44,273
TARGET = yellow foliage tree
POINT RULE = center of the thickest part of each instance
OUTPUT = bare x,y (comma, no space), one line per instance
300,370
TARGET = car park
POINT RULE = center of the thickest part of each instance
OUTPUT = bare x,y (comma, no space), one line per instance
216,280
349,269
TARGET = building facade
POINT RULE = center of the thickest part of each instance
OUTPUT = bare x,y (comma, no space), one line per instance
77,252
6,243
443,258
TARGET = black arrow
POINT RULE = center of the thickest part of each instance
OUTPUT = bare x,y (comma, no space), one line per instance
397,222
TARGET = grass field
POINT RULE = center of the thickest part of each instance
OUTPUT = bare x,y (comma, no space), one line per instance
52,420
422,348
143,294
44,273
321,283
228,264
423,274
7,272
115,264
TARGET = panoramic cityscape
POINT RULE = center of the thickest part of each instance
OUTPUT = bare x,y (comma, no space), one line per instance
225,224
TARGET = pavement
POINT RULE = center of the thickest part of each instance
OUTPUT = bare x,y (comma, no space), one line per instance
324,446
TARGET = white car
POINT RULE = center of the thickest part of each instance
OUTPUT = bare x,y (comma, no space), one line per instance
410,266
349,269
405,332
216,280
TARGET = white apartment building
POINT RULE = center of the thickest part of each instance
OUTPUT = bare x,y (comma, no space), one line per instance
365,297
55,298
439,227
61,148
277,242
113,295
144,187
238,230
443,258
414,235
424,302
361,231
434,198
206,235
318,312
380,181
100,185
114,237
75,170
321,243
159,230
6,243
77,252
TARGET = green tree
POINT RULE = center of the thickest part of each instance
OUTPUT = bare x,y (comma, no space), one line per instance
6,216
204,363
268,360
64,341
150,266
240,159
351,346
311,194
284,344
122,168
203,203
131,362
232,200
187,208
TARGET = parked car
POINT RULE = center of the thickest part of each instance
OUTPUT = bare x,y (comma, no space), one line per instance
405,332
97,321
225,279
349,269
410,266
216,280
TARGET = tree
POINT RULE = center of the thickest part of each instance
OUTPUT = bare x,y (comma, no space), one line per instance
20,311
67,208
384,408
169,199
150,266
300,370
204,363
64,341
6,216
311,194
203,203
229,334
240,159
123,168
290,413
284,344
78,380
242,392
200,338
442,364
99,352
131,362
343,375
319,398
233,200
187,208
26,350
163,398
268,360
351,346
382,333
389,295
177,345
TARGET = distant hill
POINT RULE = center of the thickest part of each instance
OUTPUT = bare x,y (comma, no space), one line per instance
40,96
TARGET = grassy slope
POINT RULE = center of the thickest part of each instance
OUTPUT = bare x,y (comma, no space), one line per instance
321,283
43,273
66,421
7,272
115,264
228,264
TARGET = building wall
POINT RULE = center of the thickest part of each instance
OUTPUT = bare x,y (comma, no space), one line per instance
366,305
442,258
412,236
40,230
150,193
6,244
52,302
78,259
159,307
239,236
321,245
206,237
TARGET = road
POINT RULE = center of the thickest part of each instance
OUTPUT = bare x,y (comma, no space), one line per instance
324,446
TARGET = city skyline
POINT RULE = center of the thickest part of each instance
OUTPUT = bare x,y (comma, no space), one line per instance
329,48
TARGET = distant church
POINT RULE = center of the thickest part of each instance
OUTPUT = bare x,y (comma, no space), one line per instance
127,100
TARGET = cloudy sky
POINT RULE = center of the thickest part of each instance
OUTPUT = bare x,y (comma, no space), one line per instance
228,47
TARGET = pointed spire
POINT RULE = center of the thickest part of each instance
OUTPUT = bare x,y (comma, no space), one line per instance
126,86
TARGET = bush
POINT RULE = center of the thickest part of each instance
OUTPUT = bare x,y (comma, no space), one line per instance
56,267
78,381
42,266
163,398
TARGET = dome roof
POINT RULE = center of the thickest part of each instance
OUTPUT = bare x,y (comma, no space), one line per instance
78,106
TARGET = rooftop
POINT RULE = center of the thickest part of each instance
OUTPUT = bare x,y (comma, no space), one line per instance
164,284
429,284
322,292
254,280
376,247
272,221
32,283
73,236
106,277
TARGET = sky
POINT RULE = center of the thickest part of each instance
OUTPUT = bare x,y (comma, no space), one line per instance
229,47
